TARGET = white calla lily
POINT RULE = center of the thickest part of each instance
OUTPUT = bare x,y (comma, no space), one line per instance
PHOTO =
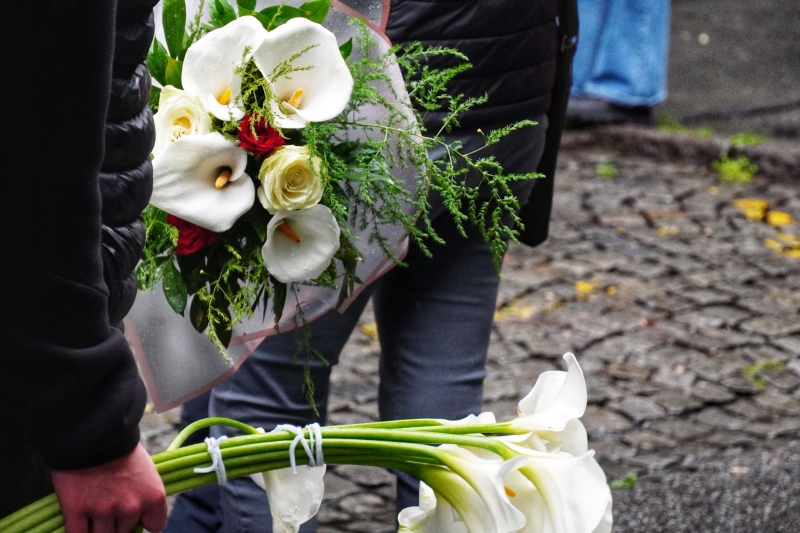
556,398
300,244
201,179
293,499
209,68
572,495
433,515
318,93
483,419
475,487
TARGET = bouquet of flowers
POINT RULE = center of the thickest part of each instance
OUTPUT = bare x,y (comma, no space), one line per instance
533,474
289,169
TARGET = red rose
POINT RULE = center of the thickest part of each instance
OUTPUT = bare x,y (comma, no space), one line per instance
268,138
191,237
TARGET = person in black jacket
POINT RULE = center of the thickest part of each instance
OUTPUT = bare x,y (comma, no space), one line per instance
80,134
434,316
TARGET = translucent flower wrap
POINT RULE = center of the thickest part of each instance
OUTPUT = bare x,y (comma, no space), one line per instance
177,362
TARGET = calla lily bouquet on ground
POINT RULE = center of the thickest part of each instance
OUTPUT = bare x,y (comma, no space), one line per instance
266,162
533,474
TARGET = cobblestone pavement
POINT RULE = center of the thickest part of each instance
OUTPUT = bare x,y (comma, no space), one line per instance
682,313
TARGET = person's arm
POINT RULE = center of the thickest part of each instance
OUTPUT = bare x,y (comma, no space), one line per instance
64,367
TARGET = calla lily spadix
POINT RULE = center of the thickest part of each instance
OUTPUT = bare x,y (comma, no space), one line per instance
201,179
209,68
300,244
293,499
319,93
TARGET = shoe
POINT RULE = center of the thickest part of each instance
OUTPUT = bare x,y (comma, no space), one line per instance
588,112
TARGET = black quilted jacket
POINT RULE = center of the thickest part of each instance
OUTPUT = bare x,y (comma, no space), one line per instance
79,133
126,178
510,43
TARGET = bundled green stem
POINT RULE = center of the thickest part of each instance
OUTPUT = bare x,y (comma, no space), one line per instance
403,445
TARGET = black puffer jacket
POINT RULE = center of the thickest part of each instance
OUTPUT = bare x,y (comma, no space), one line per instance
69,387
510,43
126,178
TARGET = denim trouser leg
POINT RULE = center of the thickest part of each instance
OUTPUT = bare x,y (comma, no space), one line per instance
622,52
434,322
268,390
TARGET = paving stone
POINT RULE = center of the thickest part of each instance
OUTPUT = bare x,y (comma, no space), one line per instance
773,266
665,356
780,428
627,371
337,487
611,452
729,439
664,302
647,440
711,393
602,390
638,408
651,463
600,422
713,317
781,379
682,430
370,526
721,365
716,340
638,388
739,289
674,377
367,476
772,326
327,514
676,403
749,410
739,384
361,504
708,296
719,419
778,403
789,344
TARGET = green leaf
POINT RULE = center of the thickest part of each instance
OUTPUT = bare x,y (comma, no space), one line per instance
174,71
279,290
174,288
222,13
246,7
223,329
274,16
198,314
346,49
157,62
155,95
174,20
317,10
627,483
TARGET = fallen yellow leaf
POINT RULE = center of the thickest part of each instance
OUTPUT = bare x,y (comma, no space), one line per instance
370,330
792,253
584,288
772,244
666,231
788,239
779,218
752,208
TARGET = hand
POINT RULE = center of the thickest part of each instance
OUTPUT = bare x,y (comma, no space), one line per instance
112,497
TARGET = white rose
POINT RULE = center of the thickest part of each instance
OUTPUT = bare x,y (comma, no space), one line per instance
288,181
179,114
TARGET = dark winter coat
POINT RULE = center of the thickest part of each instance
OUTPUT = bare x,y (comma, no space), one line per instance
513,46
70,395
